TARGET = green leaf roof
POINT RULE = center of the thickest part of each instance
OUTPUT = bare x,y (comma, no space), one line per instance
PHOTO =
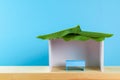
75,33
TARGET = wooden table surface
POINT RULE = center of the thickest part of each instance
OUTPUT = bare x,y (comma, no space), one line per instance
60,76
109,74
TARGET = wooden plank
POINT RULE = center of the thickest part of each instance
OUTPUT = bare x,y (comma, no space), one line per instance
111,73
60,76
6,76
113,69
87,69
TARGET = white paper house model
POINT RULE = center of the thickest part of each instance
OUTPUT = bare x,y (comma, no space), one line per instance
90,51
75,44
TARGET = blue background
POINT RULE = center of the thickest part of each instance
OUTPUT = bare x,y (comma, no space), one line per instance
22,20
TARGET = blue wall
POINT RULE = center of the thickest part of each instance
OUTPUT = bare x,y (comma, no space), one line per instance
22,20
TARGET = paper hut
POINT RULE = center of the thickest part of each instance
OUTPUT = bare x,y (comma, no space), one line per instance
76,44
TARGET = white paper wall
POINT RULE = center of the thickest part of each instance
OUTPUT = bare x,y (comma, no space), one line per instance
60,51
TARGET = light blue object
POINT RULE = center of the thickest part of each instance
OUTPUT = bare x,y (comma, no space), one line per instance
75,63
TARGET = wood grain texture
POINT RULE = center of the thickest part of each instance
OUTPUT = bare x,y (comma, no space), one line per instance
63,69
60,76
111,73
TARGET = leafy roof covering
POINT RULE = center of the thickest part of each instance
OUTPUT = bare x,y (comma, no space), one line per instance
75,33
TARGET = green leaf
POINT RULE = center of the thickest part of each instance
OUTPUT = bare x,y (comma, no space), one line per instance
75,33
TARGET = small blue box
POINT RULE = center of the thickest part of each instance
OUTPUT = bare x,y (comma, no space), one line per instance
75,63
